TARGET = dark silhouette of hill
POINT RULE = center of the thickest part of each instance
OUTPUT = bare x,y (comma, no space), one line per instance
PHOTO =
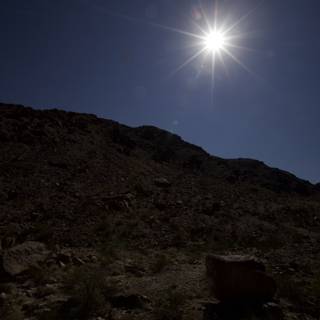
76,181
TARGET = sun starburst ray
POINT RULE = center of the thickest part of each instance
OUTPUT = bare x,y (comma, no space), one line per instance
204,14
176,30
216,38
213,65
203,31
238,62
188,61
158,25
230,45
204,58
223,64
244,17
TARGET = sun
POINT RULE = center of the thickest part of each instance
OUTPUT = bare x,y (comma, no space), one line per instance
215,41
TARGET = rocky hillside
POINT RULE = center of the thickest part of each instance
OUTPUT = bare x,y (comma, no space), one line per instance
146,207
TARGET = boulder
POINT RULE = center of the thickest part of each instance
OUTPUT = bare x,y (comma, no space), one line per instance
239,279
227,311
21,257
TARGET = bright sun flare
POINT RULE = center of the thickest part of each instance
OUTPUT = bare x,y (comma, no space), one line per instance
215,41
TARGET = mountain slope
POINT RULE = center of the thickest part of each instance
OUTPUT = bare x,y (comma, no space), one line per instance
77,181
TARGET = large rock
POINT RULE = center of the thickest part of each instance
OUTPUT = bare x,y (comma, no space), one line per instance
20,258
227,311
239,279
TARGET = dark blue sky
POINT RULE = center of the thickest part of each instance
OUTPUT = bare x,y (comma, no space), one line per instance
108,57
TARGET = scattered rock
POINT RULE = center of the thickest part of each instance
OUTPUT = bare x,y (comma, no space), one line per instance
77,261
20,258
7,242
35,215
64,257
3,296
135,270
96,202
239,278
272,311
45,291
93,258
129,302
8,287
162,182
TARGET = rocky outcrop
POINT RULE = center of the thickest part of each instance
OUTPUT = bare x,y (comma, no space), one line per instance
21,257
239,279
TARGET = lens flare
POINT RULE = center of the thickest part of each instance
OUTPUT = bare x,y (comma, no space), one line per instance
215,41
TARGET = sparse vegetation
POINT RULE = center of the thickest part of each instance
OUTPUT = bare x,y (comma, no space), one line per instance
163,154
111,250
10,310
160,262
289,288
142,206
89,291
141,189
194,162
170,305
195,251
114,240
120,136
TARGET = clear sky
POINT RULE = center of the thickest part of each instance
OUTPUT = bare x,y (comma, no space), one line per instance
117,59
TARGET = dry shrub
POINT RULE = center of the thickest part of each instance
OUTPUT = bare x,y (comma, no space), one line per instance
170,306
89,291
292,290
